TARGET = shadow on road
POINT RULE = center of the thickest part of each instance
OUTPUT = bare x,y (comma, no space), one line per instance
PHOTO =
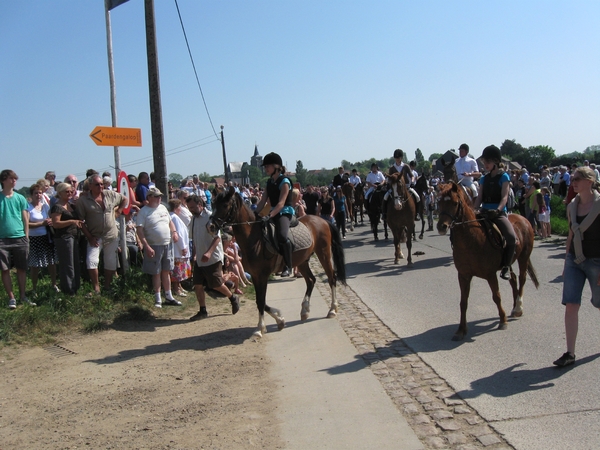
512,381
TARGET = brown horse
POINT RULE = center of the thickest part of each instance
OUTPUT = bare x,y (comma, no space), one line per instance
475,255
359,201
229,208
401,211
348,191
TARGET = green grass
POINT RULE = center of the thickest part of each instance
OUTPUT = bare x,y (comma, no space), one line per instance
130,298
558,216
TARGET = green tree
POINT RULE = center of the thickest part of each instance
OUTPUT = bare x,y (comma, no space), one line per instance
538,155
205,176
419,158
175,178
301,174
512,150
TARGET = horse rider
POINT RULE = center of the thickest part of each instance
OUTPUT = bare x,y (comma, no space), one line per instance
279,196
354,178
341,178
492,197
409,180
466,169
374,178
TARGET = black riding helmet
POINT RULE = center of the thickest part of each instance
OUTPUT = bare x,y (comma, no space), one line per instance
398,153
492,153
272,158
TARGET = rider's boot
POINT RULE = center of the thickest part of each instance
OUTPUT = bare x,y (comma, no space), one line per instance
287,258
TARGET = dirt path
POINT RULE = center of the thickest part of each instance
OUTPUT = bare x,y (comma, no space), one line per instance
166,383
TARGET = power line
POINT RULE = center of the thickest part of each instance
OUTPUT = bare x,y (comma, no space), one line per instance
194,67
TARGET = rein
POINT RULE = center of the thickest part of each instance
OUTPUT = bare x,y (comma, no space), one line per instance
458,214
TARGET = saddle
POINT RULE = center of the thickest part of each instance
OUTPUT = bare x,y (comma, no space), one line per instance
299,235
492,231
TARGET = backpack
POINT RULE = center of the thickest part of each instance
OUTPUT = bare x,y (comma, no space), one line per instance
510,202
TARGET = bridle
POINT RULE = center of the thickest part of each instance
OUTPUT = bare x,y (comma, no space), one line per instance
228,219
459,214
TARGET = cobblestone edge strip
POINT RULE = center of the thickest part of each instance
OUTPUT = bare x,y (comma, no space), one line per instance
439,417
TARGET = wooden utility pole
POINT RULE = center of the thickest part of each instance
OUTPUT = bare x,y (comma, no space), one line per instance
224,156
158,141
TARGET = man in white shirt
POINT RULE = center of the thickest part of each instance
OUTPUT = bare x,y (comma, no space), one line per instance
374,178
157,233
466,169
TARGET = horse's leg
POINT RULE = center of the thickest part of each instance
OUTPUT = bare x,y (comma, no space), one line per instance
422,208
310,280
324,255
493,282
385,228
464,282
260,286
276,314
409,246
397,250
517,310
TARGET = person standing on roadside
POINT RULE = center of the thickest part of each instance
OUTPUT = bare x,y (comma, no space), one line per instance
97,209
208,268
582,260
14,236
142,188
157,233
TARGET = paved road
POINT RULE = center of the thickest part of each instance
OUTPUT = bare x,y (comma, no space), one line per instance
506,376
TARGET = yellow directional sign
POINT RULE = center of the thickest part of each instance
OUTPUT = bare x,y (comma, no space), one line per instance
114,137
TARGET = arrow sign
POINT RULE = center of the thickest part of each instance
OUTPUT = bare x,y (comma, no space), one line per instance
114,137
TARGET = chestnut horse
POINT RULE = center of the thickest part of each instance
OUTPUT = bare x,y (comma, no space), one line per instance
401,211
229,208
476,256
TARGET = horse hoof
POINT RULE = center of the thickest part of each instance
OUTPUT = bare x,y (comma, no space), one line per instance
257,334
410,264
516,314
420,236
502,326
458,337
281,324
332,315
303,317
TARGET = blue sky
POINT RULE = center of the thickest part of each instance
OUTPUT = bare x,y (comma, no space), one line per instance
316,81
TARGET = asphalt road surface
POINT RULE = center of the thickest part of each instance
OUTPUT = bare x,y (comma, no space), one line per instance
507,376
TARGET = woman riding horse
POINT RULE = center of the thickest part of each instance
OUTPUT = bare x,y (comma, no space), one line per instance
279,196
493,196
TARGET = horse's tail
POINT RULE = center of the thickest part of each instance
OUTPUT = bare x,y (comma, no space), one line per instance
337,251
532,274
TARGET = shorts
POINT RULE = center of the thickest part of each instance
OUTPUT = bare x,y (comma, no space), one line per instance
544,217
574,278
110,248
162,261
18,248
209,276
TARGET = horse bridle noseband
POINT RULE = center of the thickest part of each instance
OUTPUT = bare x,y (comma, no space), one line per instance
459,211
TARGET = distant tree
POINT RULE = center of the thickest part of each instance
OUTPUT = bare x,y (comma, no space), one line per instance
536,156
175,178
24,191
419,158
301,173
206,177
256,175
512,150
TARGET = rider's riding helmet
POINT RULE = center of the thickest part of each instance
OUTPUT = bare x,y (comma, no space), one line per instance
464,147
398,153
272,158
492,153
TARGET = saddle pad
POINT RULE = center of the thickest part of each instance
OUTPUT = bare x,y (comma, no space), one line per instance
300,237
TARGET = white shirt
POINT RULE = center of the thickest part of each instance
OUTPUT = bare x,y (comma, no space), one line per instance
184,238
463,165
354,180
155,222
375,177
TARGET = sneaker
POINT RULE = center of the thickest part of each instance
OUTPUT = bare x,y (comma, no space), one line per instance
565,360
235,304
285,273
504,274
12,304
28,302
202,314
158,304
172,302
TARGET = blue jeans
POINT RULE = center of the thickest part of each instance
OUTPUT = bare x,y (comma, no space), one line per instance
575,276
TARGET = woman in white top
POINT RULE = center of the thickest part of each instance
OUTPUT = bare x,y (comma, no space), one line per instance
182,269
41,247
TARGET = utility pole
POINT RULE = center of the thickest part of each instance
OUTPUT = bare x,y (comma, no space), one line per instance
158,141
224,156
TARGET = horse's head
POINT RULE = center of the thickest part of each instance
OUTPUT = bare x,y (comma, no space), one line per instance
449,171
224,209
399,190
450,206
